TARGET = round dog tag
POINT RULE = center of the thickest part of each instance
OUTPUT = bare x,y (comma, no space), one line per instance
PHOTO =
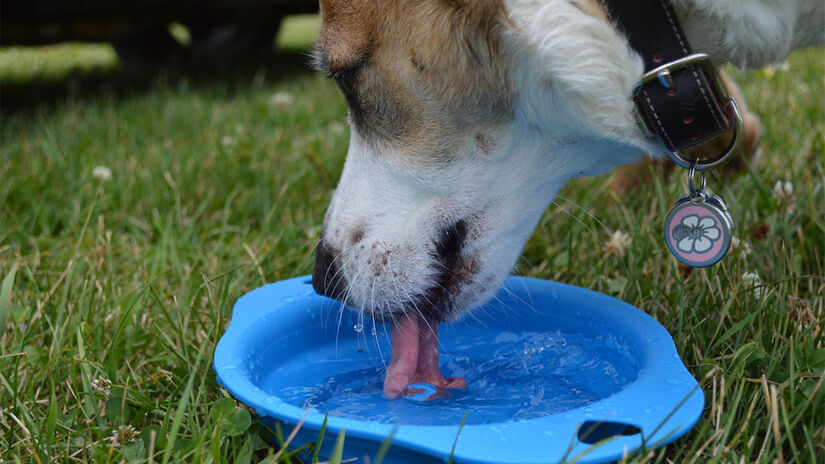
698,230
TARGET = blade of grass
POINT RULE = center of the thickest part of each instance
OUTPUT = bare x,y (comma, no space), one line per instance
5,300
89,403
291,436
338,451
320,440
385,446
181,408
457,434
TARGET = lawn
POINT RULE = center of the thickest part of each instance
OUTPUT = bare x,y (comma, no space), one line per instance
135,208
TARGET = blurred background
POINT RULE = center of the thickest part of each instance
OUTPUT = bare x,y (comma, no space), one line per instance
151,29
135,39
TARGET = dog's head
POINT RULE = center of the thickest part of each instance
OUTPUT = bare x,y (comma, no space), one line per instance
466,117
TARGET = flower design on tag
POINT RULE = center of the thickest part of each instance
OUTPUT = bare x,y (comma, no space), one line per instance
695,234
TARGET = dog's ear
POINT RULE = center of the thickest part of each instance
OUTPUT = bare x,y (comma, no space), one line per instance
347,29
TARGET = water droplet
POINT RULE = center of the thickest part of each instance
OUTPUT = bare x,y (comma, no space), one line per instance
272,401
373,332
554,295
359,324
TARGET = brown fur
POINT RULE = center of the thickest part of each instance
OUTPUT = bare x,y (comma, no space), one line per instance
592,8
421,72
348,30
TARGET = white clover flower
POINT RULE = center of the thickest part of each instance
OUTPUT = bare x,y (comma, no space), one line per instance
698,234
777,189
123,434
783,193
102,386
770,71
782,190
228,141
282,99
102,173
619,243
752,280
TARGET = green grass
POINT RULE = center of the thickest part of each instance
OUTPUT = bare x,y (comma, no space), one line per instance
215,189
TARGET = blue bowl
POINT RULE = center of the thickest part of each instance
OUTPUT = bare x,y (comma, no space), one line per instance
554,373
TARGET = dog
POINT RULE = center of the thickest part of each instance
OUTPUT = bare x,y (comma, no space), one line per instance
466,118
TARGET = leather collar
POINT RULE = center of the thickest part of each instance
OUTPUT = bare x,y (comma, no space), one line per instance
681,98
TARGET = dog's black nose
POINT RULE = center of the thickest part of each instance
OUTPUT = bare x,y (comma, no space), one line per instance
327,277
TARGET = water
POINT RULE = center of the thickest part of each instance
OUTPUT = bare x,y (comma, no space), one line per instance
510,375
359,326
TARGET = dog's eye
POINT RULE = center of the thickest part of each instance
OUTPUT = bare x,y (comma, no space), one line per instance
342,74
346,78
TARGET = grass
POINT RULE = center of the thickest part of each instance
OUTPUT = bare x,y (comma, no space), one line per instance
219,184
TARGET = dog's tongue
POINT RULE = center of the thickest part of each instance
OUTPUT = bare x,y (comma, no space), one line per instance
415,358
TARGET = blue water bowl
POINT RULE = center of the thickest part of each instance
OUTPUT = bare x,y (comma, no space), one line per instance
555,373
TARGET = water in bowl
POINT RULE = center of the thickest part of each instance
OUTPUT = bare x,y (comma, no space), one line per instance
510,375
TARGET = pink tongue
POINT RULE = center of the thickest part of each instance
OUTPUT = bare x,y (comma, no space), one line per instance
415,357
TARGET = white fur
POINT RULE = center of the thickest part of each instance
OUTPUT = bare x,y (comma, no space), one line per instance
568,61
573,74
751,33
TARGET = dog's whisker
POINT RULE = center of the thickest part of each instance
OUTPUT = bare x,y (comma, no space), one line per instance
340,268
581,223
412,302
585,211
340,310
503,286
342,307
338,328
374,332
588,228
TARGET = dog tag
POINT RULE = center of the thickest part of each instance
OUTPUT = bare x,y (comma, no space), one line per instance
698,228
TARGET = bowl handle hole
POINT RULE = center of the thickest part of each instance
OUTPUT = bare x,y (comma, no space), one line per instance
308,281
592,432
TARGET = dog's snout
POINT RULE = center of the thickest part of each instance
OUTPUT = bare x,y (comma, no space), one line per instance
327,277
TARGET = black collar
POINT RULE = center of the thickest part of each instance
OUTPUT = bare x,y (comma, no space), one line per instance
681,97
